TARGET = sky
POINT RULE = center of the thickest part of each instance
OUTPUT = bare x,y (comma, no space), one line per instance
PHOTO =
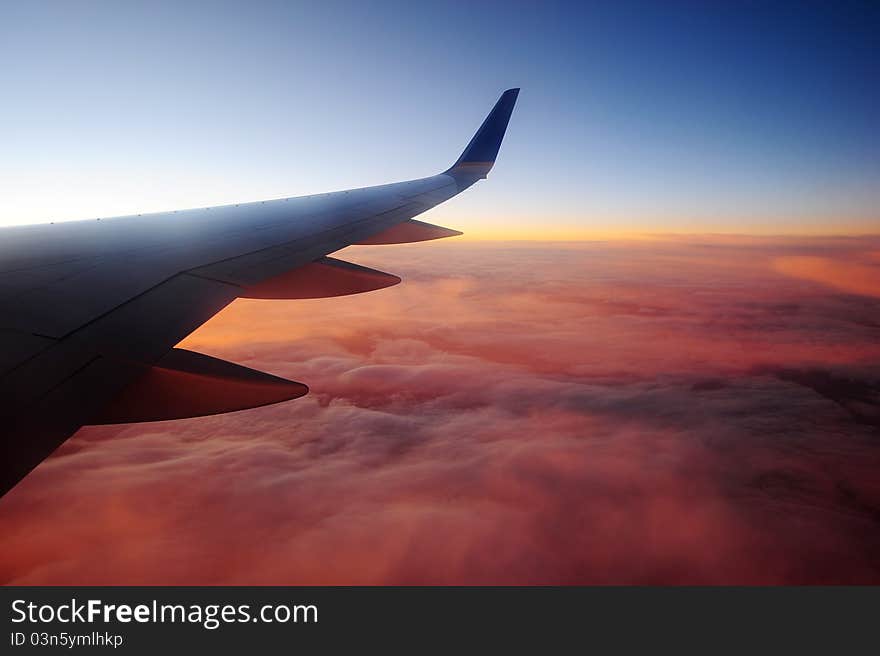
634,117
676,411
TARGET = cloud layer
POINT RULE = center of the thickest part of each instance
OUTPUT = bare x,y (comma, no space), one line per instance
665,412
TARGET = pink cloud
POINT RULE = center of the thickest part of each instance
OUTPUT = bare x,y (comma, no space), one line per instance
605,413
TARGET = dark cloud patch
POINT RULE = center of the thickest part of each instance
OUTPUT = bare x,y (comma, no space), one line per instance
708,385
600,413
858,396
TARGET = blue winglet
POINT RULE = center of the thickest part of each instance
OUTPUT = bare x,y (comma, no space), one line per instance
479,156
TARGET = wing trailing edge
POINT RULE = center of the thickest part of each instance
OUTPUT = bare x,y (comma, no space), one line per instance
409,232
186,384
322,278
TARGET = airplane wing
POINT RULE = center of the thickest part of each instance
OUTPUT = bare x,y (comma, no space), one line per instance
90,311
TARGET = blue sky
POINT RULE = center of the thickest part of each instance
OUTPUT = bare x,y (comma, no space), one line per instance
649,116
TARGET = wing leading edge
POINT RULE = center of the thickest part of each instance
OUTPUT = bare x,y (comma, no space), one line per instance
92,310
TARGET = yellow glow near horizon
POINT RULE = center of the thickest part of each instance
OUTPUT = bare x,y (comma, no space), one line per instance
567,232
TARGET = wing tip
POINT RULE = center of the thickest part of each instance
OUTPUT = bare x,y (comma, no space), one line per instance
481,152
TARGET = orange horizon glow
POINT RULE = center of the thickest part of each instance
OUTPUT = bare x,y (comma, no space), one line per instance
565,232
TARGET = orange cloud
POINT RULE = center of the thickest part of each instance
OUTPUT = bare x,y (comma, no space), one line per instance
853,277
